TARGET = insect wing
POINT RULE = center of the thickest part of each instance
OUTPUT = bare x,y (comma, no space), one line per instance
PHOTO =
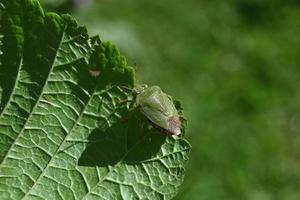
173,120
150,102
153,98
155,116
169,107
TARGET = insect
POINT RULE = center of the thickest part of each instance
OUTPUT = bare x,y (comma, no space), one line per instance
158,107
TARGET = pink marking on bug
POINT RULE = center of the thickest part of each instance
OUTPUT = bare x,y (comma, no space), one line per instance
174,125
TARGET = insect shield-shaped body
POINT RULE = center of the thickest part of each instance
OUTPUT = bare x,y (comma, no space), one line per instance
158,108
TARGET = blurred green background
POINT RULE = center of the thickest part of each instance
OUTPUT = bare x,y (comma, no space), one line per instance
235,65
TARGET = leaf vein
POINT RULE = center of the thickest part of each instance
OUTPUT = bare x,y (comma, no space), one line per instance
36,104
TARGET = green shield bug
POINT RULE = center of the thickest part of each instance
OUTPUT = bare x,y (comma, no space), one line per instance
158,108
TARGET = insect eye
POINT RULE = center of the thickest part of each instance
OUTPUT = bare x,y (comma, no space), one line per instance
140,89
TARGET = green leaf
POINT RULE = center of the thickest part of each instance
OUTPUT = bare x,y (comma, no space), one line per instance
68,129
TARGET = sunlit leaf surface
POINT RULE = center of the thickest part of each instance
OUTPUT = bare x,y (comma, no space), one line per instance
68,129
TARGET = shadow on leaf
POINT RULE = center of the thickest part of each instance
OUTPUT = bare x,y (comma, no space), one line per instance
131,141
